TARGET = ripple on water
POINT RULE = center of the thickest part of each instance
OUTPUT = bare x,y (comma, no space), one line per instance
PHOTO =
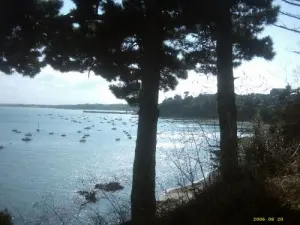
60,166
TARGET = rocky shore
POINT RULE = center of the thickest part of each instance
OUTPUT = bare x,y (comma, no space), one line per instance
187,192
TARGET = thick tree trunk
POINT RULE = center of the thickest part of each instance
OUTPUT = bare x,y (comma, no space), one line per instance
226,96
143,203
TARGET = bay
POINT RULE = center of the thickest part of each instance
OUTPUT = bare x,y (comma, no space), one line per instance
54,167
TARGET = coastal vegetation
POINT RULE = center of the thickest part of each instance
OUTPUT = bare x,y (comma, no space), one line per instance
204,106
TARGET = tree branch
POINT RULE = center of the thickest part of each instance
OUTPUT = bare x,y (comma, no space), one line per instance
292,2
287,28
290,15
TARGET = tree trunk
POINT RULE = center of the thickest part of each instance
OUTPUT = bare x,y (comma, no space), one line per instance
143,203
226,96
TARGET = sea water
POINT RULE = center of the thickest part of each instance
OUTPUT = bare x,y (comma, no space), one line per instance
52,168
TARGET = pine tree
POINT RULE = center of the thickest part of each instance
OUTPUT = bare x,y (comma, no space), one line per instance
135,45
22,34
232,28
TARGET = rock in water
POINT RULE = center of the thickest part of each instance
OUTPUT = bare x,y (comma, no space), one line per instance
82,192
26,139
109,187
90,196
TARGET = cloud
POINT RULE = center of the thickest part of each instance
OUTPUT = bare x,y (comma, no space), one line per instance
53,87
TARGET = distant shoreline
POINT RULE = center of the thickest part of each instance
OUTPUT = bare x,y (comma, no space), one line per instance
111,107
110,112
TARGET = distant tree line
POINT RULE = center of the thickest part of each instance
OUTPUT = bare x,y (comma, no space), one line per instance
205,105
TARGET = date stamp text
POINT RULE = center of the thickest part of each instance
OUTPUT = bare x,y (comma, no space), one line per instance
267,219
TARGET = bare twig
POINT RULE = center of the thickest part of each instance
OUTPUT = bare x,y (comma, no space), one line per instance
287,28
292,2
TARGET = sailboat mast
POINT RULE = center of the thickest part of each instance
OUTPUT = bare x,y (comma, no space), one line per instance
38,129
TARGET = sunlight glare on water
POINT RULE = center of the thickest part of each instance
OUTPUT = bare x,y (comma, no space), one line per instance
57,166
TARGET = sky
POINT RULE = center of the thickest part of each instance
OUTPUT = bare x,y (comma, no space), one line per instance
258,75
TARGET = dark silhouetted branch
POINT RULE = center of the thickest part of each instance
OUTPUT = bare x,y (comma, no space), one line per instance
287,28
290,15
292,2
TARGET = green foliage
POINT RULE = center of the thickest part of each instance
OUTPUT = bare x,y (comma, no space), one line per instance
106,38
109,41
249,19
204,106
23,34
